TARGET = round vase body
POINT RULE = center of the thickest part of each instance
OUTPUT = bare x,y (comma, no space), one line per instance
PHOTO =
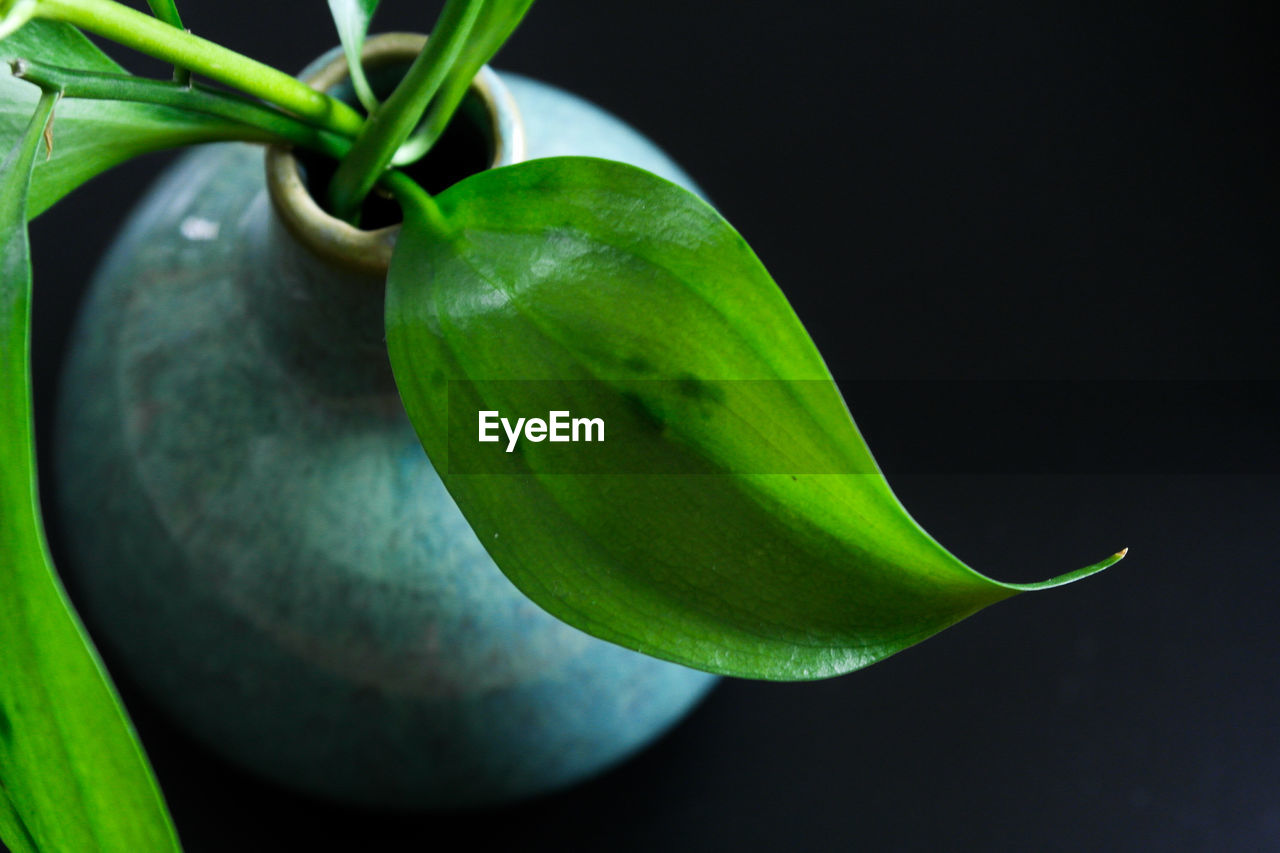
258,537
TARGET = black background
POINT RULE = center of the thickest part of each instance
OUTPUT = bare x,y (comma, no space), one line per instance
958,192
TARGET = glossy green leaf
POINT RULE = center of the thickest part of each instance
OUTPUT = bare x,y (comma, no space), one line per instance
738,523
91,136
352,17
72,775
496,22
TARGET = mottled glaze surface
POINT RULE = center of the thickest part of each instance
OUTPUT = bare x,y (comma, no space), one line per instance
260,538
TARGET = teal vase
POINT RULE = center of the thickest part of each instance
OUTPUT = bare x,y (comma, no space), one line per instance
259,539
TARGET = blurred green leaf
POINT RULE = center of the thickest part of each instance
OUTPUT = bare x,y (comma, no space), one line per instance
91,136
352,17
72,774
765,543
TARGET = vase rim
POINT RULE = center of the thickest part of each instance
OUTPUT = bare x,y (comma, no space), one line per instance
338,242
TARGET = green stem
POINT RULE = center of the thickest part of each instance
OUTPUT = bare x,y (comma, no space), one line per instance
433,126
13,14
395,119
496,24
414,199
167,11
200,99
144,33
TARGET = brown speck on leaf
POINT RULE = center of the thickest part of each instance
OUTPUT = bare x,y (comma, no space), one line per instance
48,139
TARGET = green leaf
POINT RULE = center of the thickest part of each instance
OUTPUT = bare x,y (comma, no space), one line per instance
72,774
496,22
352,20
737,522
91,136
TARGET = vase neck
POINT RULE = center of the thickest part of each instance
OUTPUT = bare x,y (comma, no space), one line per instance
322,322
317,282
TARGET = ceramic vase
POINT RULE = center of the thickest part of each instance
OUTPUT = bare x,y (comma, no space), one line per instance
256,534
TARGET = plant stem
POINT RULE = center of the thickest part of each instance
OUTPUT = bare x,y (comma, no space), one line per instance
144,33
13,14
120,87
433,126
395,119
496,24
412,197
166,11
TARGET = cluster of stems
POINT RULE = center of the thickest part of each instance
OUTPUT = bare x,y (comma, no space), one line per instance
272,101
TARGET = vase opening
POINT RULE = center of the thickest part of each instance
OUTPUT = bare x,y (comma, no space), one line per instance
485,132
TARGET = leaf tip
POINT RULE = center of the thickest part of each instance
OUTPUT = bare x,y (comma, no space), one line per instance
1070,577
